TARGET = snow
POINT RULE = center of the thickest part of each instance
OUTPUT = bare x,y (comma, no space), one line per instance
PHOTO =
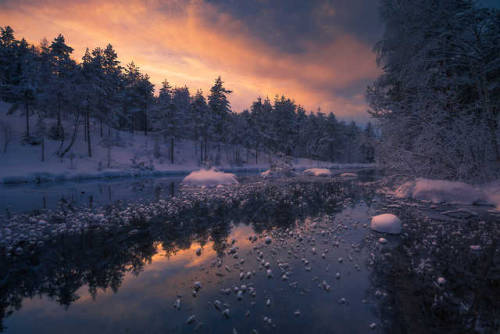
492,193
318,172
439,191
133,155
266,173
386,223
349,175
209,177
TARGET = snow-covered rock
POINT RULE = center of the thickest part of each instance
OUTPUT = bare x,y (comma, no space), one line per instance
281,167
492,192
439,191
318,172
349,175
386,223
266,173
209,177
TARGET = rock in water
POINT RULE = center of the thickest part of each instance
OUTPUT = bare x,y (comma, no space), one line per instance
382,240
386,223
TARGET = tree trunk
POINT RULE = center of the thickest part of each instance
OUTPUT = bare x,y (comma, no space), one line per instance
73,137
59,122
89,146
109,155
205,154
171,150
43,149
145,122
27,110
201,151
85,128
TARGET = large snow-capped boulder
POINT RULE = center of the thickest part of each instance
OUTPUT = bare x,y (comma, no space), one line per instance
386,223
209,177
318,172
438,191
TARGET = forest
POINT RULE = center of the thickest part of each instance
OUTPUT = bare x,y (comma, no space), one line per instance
437,102
46,85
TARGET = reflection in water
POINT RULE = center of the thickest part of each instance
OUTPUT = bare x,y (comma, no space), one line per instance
28,197
127,282
324,264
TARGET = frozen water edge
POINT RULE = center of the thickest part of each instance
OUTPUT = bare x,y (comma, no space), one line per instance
110,174
44,177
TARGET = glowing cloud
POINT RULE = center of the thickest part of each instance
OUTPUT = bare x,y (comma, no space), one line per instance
192,42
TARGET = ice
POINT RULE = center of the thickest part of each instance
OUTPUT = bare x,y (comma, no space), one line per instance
386,223
210,177
318,172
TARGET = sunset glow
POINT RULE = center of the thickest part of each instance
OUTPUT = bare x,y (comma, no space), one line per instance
192,42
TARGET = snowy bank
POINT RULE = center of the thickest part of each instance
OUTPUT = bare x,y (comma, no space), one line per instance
439,191
318,172
209,177
349,175
386,223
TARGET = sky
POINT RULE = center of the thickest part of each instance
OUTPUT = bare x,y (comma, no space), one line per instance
318,52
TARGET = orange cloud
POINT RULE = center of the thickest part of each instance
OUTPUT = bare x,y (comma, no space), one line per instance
190,43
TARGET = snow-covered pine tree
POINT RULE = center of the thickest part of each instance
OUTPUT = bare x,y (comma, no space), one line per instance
201,120
220,108
62,68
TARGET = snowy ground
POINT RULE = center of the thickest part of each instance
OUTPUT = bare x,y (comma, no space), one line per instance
21,163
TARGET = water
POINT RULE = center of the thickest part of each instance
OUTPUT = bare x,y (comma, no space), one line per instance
128,281
90,194
134,286
94,193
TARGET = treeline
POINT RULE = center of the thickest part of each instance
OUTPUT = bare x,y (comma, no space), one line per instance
438,99
44,82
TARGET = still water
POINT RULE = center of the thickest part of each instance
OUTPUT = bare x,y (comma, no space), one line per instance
276,270
89,194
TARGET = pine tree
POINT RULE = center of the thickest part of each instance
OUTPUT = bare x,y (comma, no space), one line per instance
220,108
63,68
201,120
112,87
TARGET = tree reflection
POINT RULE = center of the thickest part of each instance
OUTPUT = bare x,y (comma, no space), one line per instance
100,260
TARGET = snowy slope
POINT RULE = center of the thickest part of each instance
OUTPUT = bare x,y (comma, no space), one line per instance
22,162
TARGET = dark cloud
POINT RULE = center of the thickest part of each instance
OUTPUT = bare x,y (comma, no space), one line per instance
288,23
